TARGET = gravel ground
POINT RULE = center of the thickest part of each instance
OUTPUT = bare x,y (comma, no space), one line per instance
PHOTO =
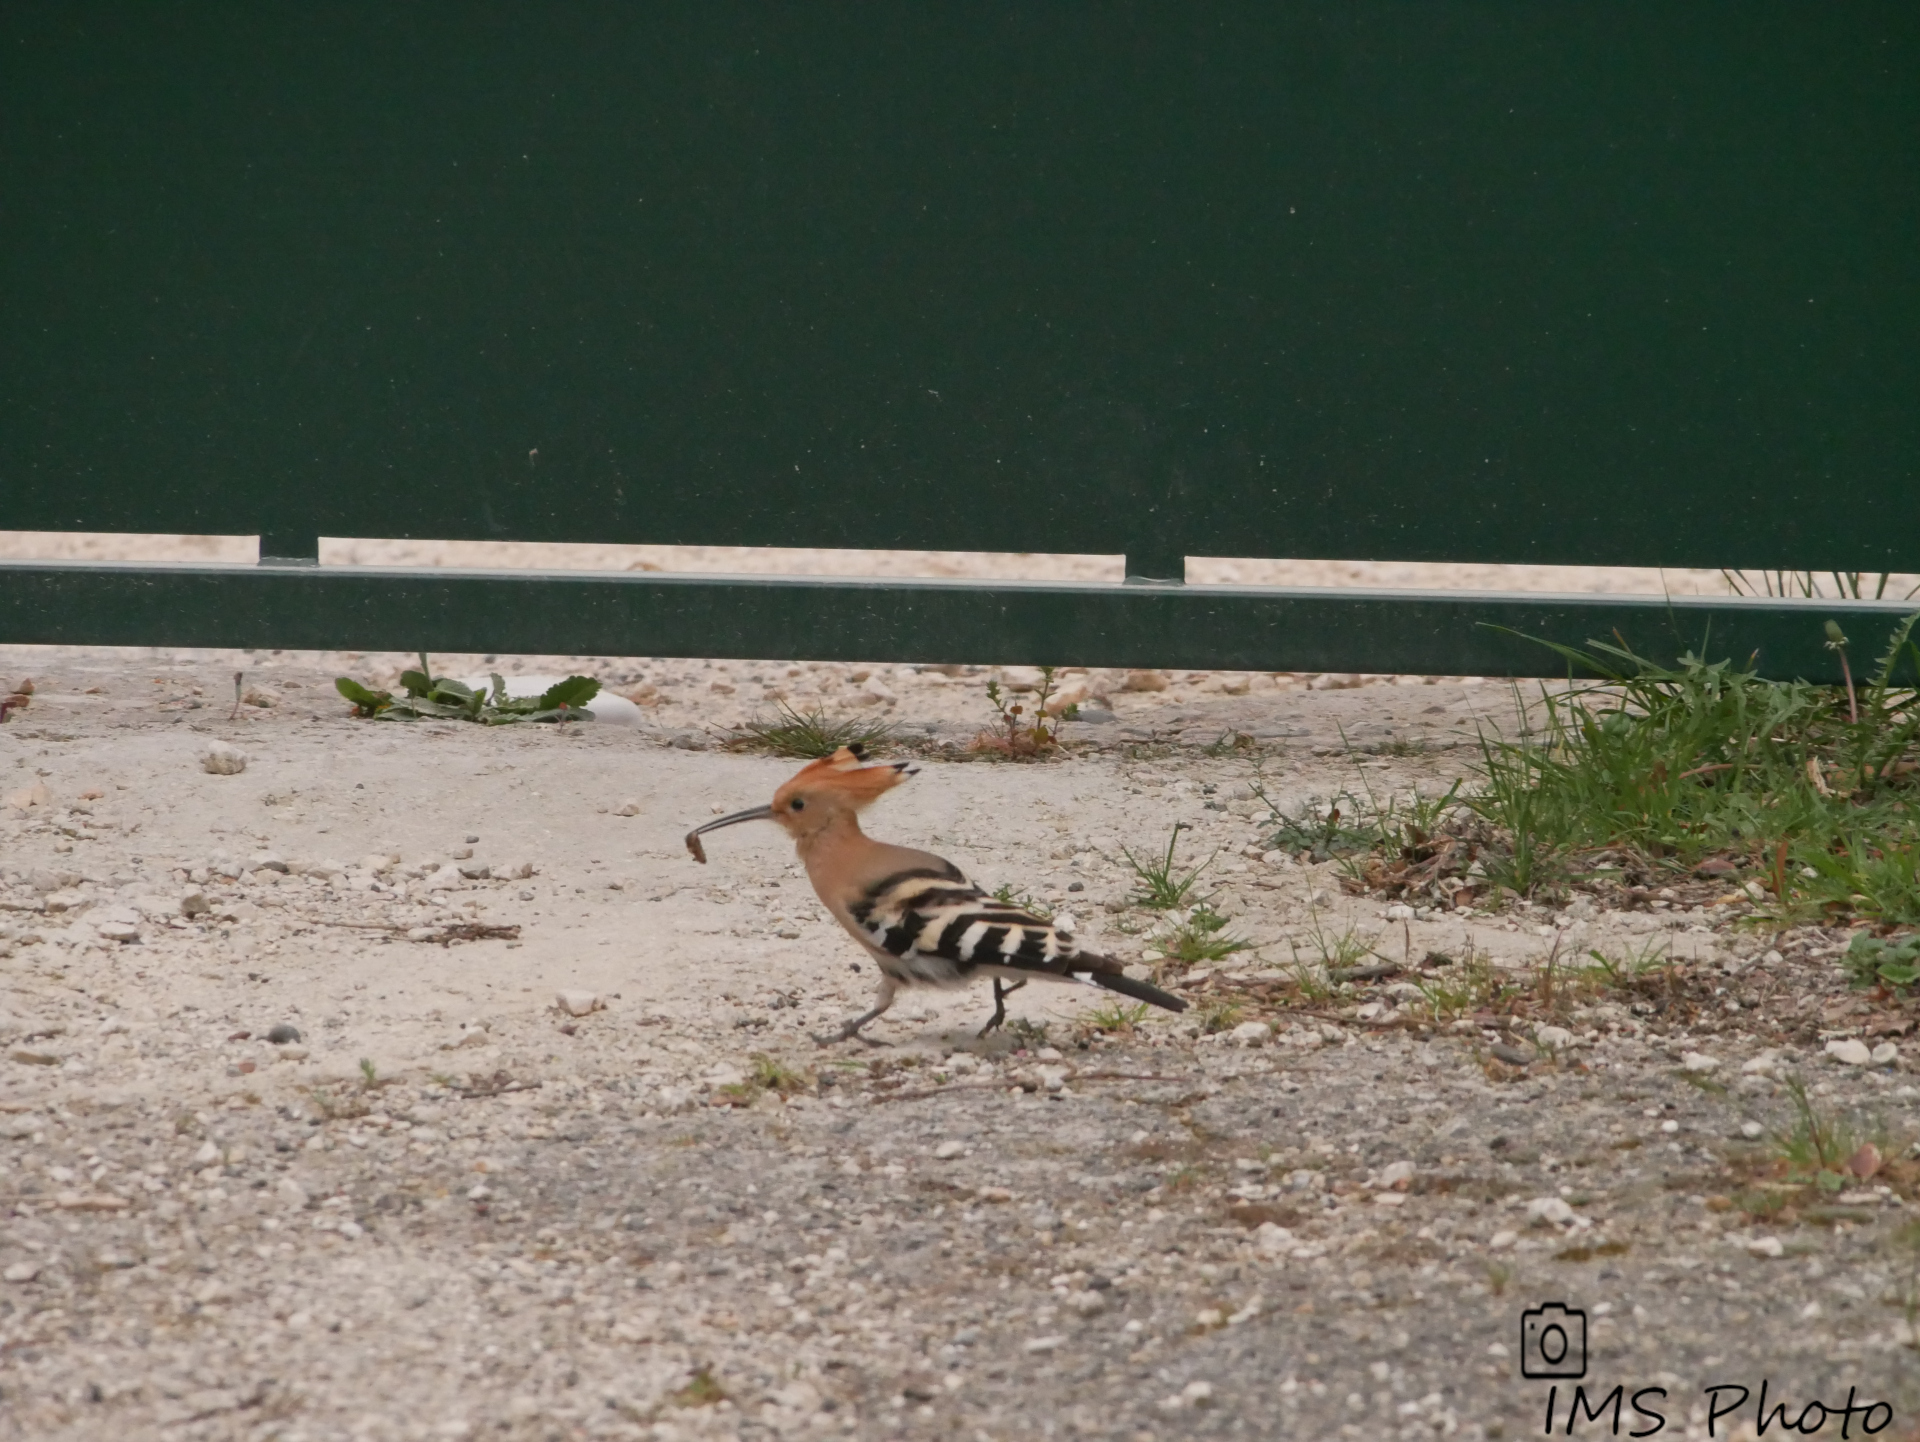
584,1176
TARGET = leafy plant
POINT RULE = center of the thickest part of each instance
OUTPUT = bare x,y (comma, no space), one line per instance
1161,888
1018,733
429,696
1892,962
813,733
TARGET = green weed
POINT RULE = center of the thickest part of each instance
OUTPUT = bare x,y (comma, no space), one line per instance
812,734
1814,787
1018,733
1202,936
1118,1016
441,697
1162,887
1007,896
1890,962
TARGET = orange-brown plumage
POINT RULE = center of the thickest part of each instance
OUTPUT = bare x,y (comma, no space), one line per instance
913,911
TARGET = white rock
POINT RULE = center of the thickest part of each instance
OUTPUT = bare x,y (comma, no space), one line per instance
1549,1212
1397,1175
194,903
579,1003
1045,1344
1750,1130
515,871
1251,1033
223,758
120,931
1886,1054
947,1151
1699,1062
628,807
1400,912
1766,1247
1760,1065
1501,1240
20,1272
1553,1038
292,1193
1272,1238
1850,1051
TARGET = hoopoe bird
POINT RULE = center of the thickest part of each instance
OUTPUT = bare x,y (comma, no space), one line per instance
917,916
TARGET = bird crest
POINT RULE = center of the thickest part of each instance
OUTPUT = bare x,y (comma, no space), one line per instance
846,774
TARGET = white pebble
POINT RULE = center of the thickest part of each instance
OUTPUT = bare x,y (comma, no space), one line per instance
1850,1051
222,758
579,1003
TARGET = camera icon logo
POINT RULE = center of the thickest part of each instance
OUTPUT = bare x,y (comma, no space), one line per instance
1553,1341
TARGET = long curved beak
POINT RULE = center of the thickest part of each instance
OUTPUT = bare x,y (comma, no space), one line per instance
699,852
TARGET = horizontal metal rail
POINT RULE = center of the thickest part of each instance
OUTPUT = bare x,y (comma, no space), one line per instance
1006,622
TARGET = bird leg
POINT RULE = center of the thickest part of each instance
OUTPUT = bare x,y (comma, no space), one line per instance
850,1030
1001,991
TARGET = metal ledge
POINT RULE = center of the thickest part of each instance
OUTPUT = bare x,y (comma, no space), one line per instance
837,618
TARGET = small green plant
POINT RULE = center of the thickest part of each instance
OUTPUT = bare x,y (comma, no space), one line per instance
1202,936
701,1390
1118,1016
1027,1032
429,697
1325,831
369,1077
1024,901
1825,1148
1161,887
1334,951
1473,985
1221,1014
1892,962
1019,733
812,734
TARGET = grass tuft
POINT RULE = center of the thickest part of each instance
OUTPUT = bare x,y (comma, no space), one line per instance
1162,886
812,734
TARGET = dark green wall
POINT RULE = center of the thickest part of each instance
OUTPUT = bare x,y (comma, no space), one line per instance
1607,283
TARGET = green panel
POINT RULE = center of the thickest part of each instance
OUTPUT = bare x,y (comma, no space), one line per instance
1237,628
1624,283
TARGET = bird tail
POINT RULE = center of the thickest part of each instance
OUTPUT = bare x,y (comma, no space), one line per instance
1119,981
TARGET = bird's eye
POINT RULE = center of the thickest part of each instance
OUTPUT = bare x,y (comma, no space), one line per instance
799,804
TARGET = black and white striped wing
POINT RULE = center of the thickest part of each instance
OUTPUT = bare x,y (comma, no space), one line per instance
937,927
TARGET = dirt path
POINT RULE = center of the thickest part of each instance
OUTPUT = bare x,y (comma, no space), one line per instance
452,1208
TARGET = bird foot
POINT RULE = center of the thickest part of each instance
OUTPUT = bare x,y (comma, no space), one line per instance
1000,994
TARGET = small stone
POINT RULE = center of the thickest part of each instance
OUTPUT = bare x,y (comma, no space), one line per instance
1760,1065
222,758
628,807
1197,1394
1850,1051
1045,1344
474,871
1750,1130
283,1033
1865,1162
1273,1239
89,1202
1251,1033
292,1193
1511,1055
1886,1054
120,931
20,1272
1553,1038
947,1151
294,1053
514,871
579,1003
1396,1176
1400,912
1088,1304
1501,1240
195,903
1145,681
26,1056
423,933
993,1194
1549,1212
1766,1247
1698,1062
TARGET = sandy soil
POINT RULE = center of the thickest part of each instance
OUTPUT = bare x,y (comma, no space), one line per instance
455,1208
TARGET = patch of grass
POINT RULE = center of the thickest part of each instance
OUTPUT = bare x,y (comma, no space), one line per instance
1117,1016
1221,1015
1007,896
1027,1032
1019,733
1162,886
1324,830
1817,1144
768,1074
701,1390
1814,789
1202,936
812,734
1472,985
